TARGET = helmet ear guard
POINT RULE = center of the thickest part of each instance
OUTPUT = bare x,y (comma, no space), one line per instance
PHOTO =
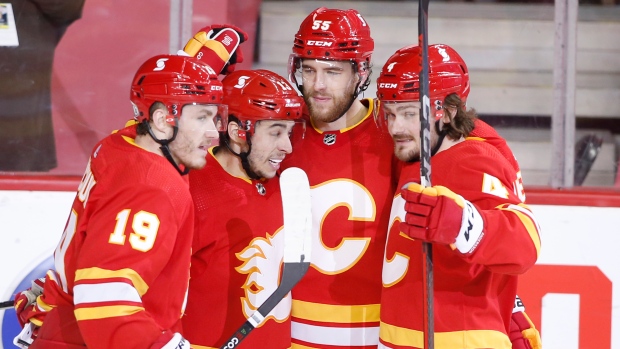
241,134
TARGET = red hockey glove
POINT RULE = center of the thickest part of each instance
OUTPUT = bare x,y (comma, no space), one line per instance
436,214
25,302
218,46
523,334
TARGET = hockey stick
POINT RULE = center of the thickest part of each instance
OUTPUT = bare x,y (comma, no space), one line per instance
7,304
425,172
295,191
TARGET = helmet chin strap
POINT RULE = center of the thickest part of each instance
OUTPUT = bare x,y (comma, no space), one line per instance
245,163
441,134
165,150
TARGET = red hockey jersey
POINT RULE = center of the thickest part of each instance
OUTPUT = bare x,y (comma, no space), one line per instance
336,304
473,295
238,251
123,261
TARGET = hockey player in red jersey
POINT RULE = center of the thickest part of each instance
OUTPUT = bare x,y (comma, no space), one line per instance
218,46
349,165
482,233
122,264
237,249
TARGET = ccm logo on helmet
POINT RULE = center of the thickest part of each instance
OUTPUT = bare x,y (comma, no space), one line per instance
216,88
319,43
387,85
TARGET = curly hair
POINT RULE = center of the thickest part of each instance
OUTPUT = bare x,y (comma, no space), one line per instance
462,123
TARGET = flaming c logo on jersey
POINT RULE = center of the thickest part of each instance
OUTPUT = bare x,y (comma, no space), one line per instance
261,262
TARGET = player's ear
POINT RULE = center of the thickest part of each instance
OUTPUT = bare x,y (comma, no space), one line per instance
158,119
237,136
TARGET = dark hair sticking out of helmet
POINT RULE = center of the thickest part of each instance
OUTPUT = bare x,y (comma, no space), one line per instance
460,124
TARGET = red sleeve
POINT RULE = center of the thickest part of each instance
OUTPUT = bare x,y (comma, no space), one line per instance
129,242
511,243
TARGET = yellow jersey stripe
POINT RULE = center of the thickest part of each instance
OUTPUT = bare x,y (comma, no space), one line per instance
529,224
299,346
43,306
344,314
98,273
36,322
472,339
105,312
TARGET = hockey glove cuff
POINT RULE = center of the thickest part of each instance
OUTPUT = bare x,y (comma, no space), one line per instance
26,336
176,342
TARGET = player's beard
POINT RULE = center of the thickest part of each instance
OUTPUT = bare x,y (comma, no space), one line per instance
186,152
339,105
409,152
260,165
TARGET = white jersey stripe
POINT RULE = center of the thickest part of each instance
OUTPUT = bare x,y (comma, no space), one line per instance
106,292
337,336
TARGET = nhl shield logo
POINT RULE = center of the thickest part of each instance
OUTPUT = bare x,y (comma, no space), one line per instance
329,139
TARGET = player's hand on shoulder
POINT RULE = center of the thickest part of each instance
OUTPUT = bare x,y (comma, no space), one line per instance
438,215
218,46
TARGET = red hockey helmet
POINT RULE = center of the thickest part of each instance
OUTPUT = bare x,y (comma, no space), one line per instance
254,95
400,77
333,34
175,81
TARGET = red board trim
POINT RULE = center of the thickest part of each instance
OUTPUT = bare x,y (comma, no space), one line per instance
39,182
579,196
